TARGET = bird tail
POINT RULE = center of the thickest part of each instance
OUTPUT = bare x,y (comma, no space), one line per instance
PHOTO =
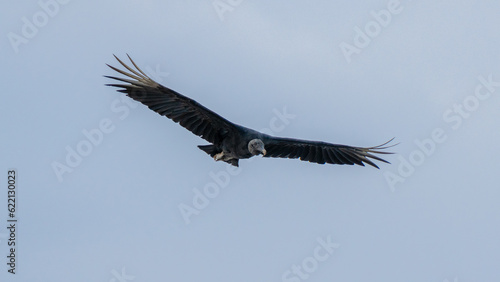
212,150
209,149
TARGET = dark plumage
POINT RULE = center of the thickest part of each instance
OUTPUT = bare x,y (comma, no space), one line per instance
231,142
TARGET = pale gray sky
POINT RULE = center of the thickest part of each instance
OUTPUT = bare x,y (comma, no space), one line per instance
425,72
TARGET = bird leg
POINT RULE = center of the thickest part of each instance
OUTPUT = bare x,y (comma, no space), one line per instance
219,156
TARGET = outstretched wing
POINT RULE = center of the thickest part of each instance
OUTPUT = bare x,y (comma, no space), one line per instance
166,102
321,152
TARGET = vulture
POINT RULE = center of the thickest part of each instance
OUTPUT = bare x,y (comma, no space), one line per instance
230,142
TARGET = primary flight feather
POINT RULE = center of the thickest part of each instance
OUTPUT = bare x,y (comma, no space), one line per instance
231,142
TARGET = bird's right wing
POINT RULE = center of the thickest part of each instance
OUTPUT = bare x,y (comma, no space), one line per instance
321,152
177,107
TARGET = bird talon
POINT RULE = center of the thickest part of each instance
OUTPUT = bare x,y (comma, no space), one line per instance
219,156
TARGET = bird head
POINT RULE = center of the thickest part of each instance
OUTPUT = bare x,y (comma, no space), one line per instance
256,147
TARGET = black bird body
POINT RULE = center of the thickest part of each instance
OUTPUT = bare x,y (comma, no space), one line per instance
231,142
234,145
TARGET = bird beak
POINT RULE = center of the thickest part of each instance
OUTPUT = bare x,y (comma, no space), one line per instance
264,152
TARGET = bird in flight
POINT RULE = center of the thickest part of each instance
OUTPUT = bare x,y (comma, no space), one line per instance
231,142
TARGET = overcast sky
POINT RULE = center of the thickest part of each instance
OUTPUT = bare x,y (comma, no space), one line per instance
107,190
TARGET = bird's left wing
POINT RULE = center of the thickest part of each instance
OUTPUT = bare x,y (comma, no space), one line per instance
177,107
321,152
